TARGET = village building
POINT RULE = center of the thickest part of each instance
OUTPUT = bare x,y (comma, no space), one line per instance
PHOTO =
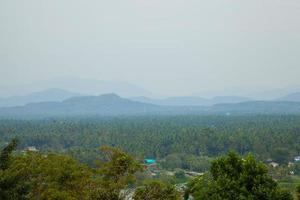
32,149
193,174
274,164
149,161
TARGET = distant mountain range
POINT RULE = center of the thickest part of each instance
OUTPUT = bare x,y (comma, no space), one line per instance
192,101
57,95
60,95
256,107
291,97
104,105
79,86
113,105
42,96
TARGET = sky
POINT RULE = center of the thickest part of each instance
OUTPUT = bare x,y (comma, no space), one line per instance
170,47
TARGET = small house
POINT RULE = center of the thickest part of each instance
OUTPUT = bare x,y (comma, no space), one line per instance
274,164
150,161
32,149
193,174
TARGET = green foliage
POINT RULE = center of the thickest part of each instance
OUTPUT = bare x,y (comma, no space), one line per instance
114,174
39,176
281,155
232,177
186,161
36,176
193,138
187,142
179,174
5,154
298,191
296,168
156,190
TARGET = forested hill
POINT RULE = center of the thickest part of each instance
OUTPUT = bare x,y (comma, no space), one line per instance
113,105
108,104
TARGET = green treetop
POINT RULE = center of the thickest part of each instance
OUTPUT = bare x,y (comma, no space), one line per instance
232,178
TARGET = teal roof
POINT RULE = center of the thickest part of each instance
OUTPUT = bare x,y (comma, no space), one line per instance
150,161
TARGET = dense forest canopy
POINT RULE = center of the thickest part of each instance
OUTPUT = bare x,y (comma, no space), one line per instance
181,145
193,138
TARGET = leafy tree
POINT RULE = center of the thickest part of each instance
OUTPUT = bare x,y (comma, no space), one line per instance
36,176
156,190
232,177
115,173
179,174
298,192
296,168
33,175
5,154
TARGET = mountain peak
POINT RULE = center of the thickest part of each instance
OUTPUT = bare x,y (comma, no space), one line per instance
110,95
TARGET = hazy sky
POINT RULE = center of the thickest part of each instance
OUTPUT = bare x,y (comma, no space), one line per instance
166,46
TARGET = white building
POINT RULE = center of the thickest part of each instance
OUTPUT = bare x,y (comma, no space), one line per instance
32,149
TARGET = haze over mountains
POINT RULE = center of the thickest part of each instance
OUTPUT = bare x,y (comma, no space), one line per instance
84,97
192,101
114,105
53,94
56,94
125,89
104,105
60,95
78,86
291,97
